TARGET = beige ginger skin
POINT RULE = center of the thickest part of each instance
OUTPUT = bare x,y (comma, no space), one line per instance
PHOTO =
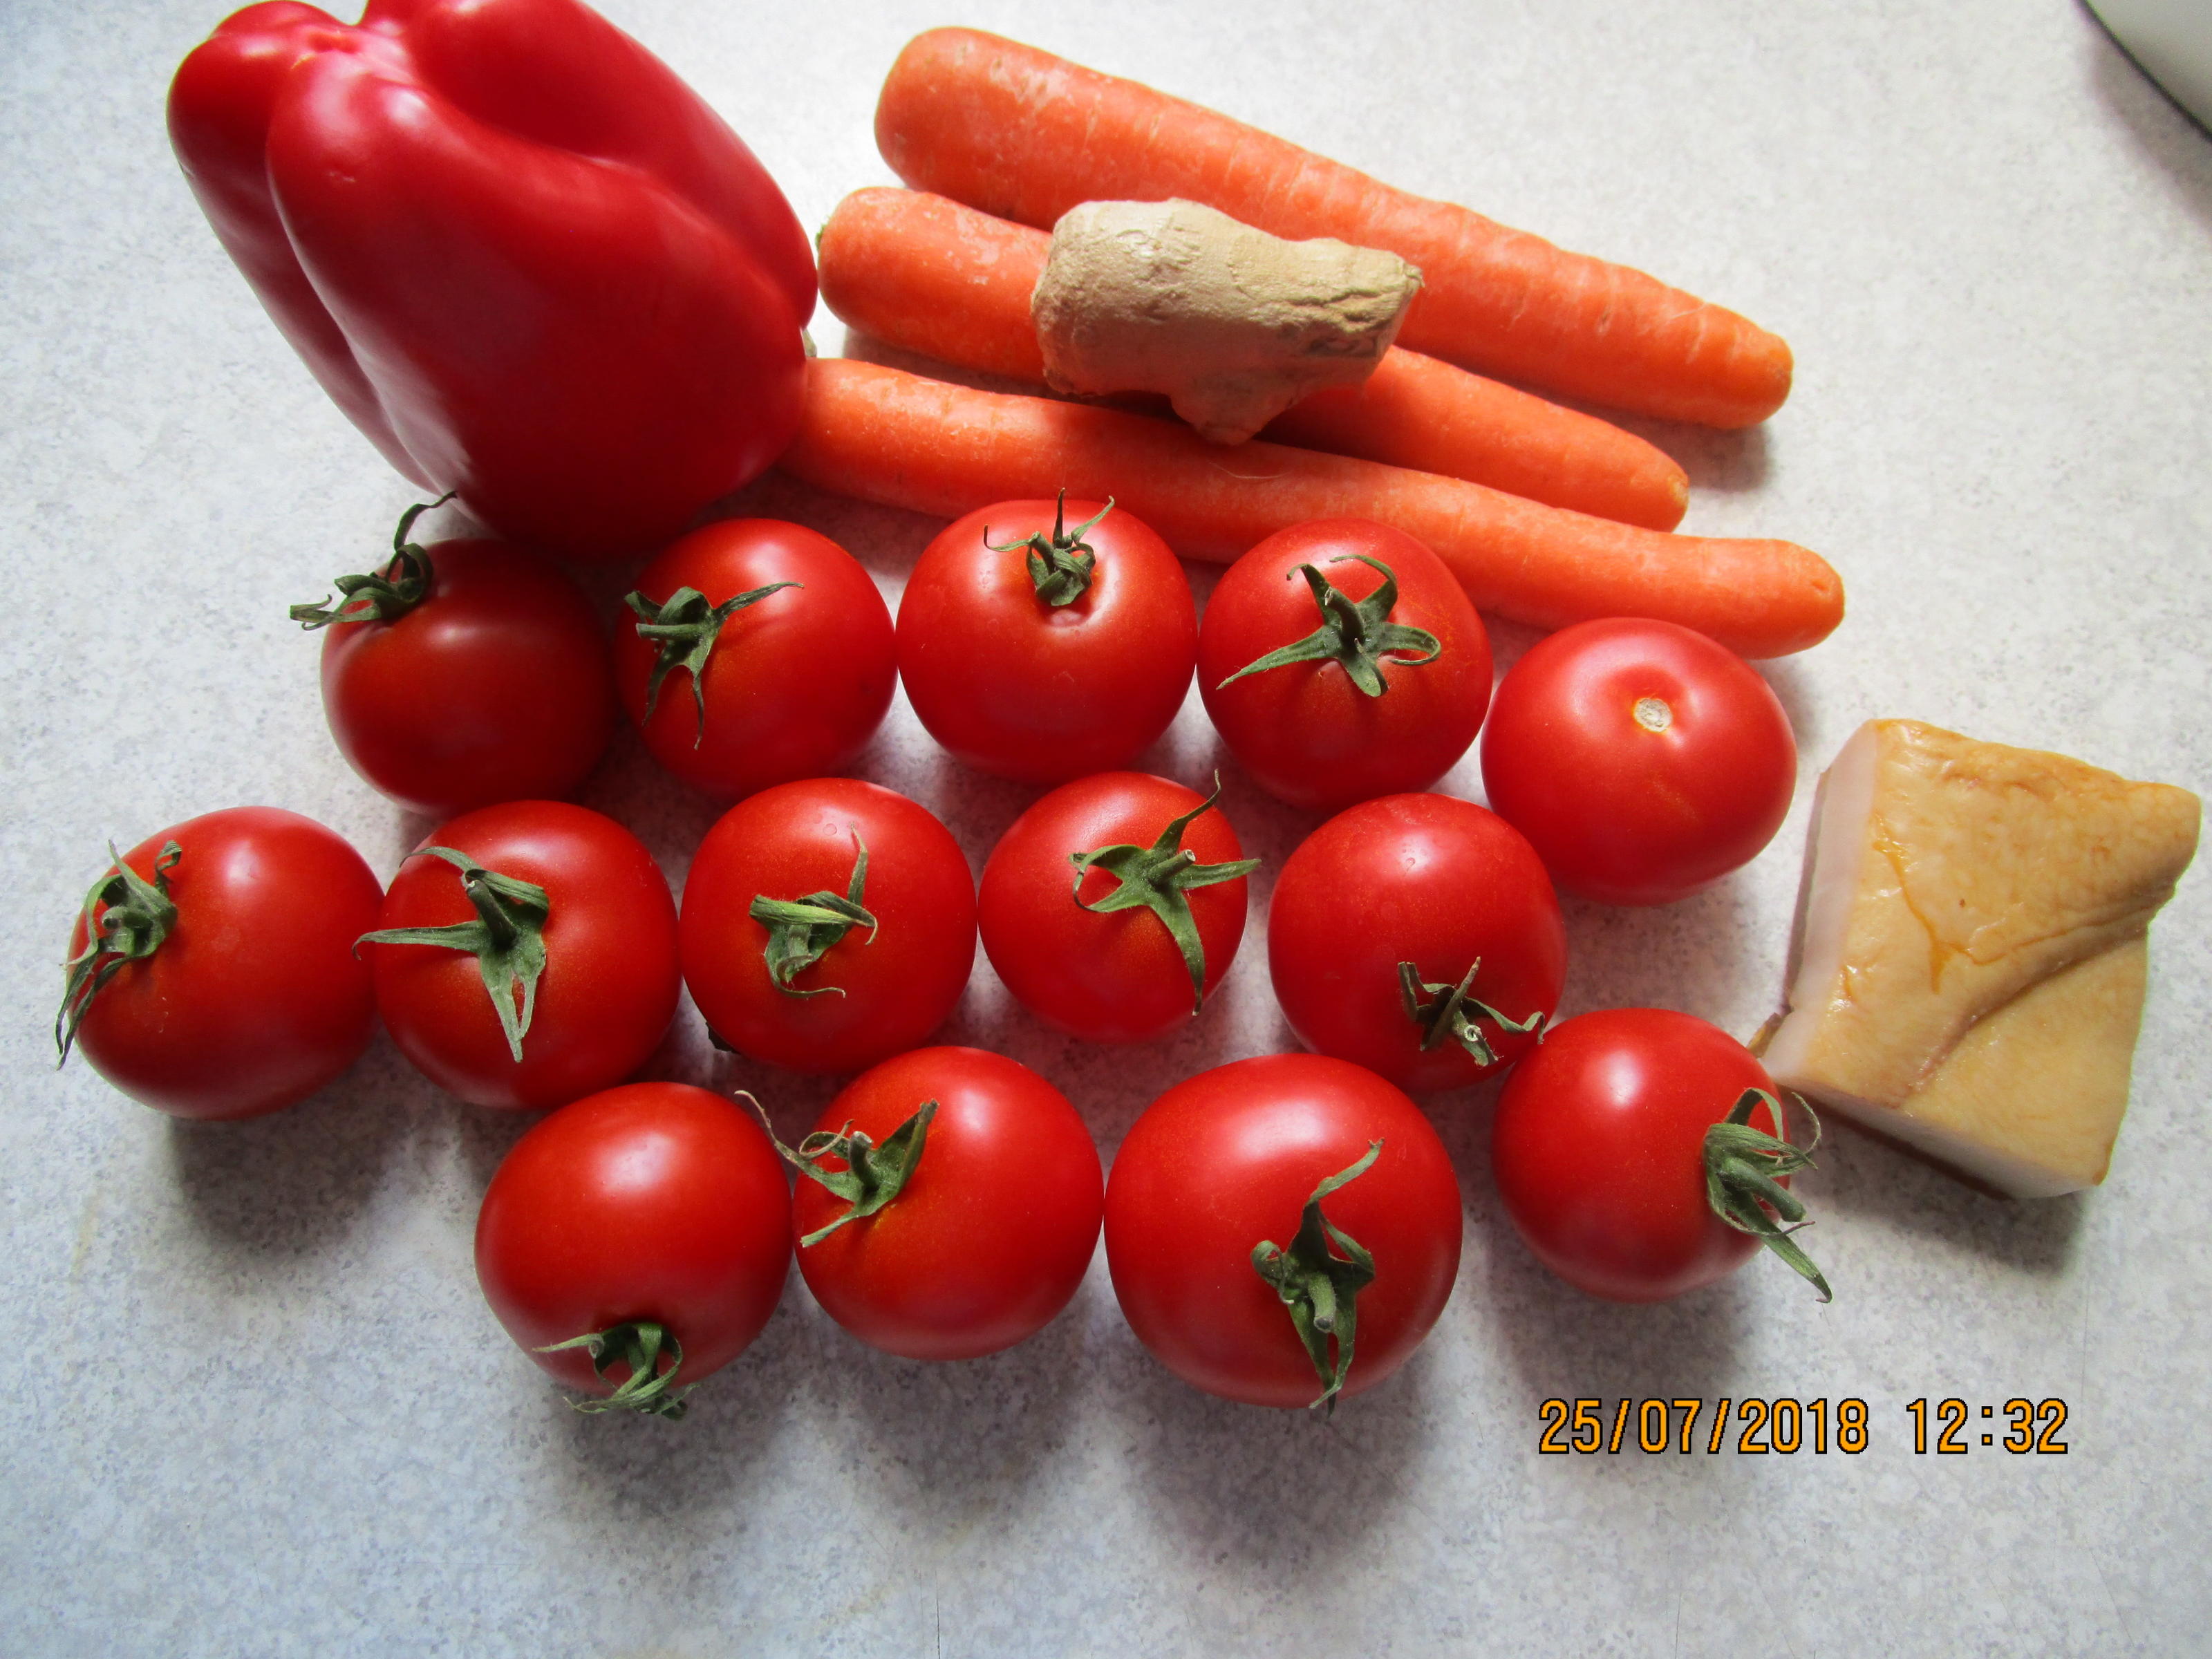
1232,324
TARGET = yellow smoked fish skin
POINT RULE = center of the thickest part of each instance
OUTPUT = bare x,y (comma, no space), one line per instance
1993,959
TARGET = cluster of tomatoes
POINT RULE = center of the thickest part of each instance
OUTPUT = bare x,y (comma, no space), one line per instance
529,954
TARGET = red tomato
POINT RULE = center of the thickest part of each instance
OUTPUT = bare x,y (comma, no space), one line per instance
1598,1147
242,994
1229,1159
655,1203
493,687
795,682
873,988
1305,730
1119,976
1017,685
1439,883
991,1231
1643,761
608,988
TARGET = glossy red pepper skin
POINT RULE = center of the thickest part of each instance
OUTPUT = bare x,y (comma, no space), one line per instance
523,257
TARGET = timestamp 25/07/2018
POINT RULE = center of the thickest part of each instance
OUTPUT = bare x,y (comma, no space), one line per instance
1757,1426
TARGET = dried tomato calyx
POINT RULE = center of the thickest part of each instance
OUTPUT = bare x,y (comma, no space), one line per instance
137,917
1059,564
802,931
639,1345
1442,1010
873,1176
507,938
1157,878
380,596
1743,1170
684,628
1320,1288
1357,634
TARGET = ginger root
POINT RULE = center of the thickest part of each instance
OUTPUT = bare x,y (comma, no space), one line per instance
1234,325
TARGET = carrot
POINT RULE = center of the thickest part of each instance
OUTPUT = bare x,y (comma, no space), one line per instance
897,439
927,275
1022,134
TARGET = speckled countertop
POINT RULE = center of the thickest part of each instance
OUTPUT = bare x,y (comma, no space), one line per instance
254,1403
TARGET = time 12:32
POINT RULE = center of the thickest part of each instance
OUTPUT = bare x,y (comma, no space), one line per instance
2035,1425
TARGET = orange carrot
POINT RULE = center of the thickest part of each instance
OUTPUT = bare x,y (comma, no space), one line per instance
1022,134
927,275
1421,413
897,439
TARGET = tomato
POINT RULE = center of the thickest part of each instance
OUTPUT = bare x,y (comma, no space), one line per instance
1230,1160
1305,729
607,924
792,679
827,925
656,1203
1599,1150
1426,880
1127,946
1035,651
987,1231
231,988
488,683
1642,760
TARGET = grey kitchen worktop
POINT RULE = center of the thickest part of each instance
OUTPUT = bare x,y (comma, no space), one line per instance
254,1404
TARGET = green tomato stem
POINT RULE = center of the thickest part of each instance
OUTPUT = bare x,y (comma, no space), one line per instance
802,931
1452,1011
873,1176
639,1345
507,938
1356,635
137,917
1321,1289
685,629
1157,878
1743,1170
1059,564
385,595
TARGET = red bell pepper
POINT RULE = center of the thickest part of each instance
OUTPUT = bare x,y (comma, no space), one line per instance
526,259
